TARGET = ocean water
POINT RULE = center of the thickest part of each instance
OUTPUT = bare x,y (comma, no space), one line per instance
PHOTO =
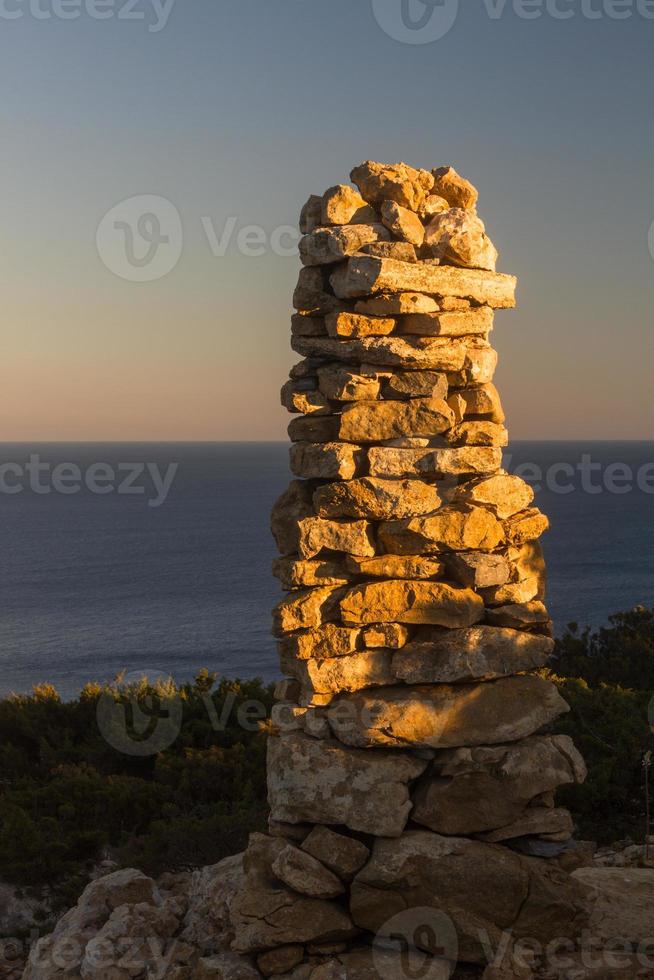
94,584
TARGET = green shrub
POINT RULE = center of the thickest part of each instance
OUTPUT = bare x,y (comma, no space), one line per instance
67,797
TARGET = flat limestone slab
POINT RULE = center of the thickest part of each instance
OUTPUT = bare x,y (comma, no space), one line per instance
363,275
442,716
475,653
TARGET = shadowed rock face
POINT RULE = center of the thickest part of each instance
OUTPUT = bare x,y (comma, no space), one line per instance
483,888
471,790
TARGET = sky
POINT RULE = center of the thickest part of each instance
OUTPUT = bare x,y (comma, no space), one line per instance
220,117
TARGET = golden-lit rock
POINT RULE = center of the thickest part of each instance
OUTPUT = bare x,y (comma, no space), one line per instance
370,668
512,593
400,251
402,223
520,616
475,653
452,528
478,434
351,537
396,566
443,716
342,205
405,352
457,191
400,601
344,385
325,246
483,402
434,204
458,406
416,384
365,422
307,609
526,525
376,499
390,462
385,636
322,643
527,560
448,324
505,494
397,304
357,325
294,573
325,461
303,397
363,275
379,182
480,363
458,237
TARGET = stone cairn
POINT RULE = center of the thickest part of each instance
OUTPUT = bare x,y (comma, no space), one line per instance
410,766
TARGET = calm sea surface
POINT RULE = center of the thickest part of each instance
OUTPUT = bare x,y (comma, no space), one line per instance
94,584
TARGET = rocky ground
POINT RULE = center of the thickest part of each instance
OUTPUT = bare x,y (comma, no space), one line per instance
190,926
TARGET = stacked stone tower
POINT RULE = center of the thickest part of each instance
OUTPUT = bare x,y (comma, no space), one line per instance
410,765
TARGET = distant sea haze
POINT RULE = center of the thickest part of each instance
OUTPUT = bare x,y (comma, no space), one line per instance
173,573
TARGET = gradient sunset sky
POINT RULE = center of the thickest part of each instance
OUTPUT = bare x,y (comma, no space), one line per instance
240,109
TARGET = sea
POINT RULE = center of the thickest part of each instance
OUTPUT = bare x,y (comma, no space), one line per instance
154,559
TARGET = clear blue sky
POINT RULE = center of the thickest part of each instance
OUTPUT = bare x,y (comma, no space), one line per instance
241,108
